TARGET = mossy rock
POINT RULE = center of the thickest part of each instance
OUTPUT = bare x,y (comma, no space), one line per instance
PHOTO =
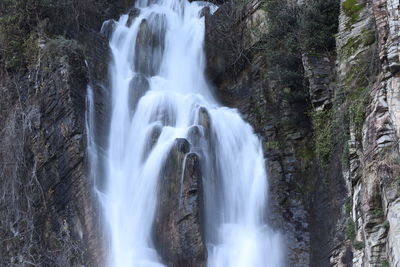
323,121
352,9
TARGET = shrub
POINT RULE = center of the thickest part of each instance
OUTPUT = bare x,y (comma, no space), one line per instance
318,23
358,245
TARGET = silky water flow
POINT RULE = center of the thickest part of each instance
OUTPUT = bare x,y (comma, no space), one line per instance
157,81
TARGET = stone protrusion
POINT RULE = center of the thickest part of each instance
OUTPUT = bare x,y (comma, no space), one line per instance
177,223
150,44
132,14
204,121
138,87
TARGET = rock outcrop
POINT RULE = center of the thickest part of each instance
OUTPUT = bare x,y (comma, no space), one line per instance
177,227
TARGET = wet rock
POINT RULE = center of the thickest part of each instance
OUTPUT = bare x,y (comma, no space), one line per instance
150,45
205,12
177,231
108,28
194,136
133,14
138,87
154,134
204,121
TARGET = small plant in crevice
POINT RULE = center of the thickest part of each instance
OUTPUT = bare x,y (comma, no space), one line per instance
350,230
386,225
379,212
358,244
323,134
350,233
348,205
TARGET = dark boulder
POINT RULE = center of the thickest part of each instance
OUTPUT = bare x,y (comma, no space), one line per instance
132,14
108,28
177,229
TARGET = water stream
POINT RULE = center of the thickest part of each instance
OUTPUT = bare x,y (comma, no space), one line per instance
158,82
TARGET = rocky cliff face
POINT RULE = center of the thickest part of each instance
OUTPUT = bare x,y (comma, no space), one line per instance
333,154
48,211
331,140
372,179
46,202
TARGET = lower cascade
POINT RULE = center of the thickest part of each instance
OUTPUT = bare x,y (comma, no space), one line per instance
185,182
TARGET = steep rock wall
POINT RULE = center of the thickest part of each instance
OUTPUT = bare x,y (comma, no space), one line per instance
341,210
49,215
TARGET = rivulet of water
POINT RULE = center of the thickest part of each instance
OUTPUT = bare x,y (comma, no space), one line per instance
157,81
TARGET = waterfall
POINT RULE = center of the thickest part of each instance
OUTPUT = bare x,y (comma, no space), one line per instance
160,95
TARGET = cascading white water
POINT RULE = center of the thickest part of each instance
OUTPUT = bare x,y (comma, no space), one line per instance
157,81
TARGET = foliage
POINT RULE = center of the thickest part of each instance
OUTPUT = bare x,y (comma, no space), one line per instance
318,24
351,234
358,244
280,45
21,23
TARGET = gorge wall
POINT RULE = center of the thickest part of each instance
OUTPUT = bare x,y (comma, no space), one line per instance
328,116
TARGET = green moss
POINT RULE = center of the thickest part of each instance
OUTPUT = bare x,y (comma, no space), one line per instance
322,121
353,43
358,106
305,155
352,9
385,264
368,37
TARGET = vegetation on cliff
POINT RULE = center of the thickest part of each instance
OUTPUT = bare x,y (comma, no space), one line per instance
23,22
295,30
